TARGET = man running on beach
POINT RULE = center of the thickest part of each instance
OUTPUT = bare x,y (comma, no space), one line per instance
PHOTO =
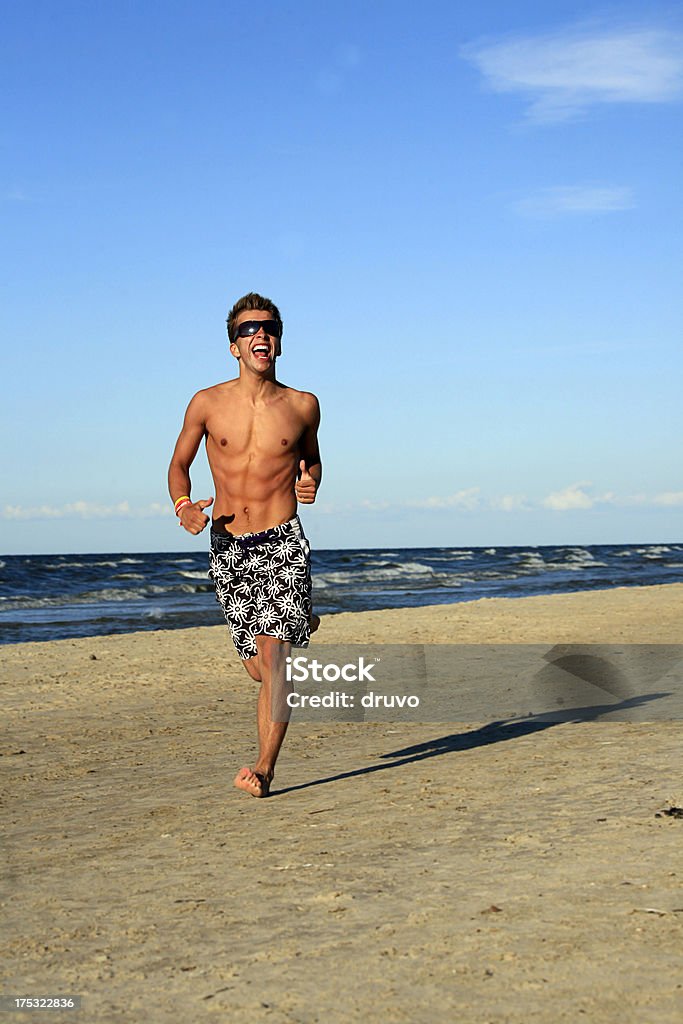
262,446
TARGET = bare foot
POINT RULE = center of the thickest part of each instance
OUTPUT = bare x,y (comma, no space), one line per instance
255,783
315,622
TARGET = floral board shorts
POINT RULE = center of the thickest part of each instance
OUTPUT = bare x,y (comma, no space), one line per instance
263,584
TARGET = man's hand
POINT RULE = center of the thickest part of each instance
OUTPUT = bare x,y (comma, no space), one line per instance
306,486
192,516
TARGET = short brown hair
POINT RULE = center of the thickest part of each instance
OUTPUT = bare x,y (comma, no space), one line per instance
252,301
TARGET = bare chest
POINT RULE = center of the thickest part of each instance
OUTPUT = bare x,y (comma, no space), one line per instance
266,431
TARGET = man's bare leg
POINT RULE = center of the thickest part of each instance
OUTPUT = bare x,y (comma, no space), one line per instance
253,668
271,667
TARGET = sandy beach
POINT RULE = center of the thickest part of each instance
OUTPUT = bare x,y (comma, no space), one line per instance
401,871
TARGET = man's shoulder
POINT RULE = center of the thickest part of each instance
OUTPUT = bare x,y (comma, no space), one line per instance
214,392
305,400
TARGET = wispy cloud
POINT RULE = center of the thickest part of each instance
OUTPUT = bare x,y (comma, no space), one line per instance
468,500
562,74
571,497
669,499
575,497
564,200
85,510
511,503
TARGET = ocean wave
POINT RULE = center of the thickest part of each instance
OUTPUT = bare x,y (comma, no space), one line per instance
119,592
531,560
457,556
408,570
78,565
113,595
579,558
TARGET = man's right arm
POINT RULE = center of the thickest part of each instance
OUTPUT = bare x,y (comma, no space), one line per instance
194,428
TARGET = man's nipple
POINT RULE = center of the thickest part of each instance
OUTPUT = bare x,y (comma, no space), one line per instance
224,441
284,442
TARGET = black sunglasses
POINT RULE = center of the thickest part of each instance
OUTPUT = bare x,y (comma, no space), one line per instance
248,328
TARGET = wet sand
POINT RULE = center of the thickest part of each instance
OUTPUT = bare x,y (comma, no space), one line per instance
409,872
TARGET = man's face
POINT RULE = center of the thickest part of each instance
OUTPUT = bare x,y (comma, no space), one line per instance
258,350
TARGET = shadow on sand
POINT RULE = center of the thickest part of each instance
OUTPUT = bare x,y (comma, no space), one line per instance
493,732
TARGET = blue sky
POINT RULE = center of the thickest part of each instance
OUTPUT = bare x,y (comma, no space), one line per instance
468,215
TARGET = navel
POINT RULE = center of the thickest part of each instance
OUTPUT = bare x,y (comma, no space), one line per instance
224,441
245,509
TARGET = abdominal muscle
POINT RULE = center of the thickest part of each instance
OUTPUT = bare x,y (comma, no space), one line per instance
253,495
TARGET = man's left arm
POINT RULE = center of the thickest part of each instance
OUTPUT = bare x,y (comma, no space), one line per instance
310,465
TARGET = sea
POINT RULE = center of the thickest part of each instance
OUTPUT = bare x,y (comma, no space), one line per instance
51,597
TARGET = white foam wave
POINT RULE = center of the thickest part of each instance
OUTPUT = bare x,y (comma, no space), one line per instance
532,560
90,597
193,575
409,570
654,550
582,557
80,565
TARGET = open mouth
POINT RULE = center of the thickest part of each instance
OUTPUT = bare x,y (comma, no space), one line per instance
261,350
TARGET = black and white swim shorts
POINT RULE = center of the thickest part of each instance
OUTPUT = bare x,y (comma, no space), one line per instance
263,584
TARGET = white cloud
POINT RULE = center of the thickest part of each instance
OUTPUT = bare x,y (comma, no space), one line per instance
564,73
575,199
85,510
374,506
571,497
575,496
467,500
511,503
669,499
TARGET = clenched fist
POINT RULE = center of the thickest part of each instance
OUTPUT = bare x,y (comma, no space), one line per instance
192,517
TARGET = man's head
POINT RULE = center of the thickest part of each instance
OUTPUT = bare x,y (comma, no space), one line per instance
252,301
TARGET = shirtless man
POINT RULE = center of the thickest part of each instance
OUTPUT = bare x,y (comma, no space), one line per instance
262,446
